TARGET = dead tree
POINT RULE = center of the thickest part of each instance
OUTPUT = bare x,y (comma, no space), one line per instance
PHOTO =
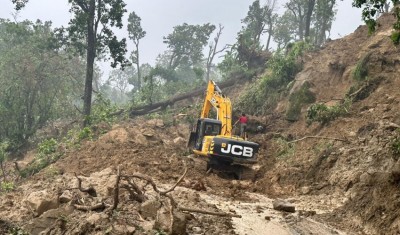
155,107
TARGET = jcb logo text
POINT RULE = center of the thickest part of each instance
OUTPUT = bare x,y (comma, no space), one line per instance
237,150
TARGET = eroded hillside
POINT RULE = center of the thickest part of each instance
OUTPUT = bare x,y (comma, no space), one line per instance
341,175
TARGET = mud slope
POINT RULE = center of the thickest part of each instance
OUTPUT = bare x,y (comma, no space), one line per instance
359,166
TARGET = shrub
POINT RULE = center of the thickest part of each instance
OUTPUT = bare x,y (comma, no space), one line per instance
297,100
47,154
48,146
396,145
7,186
285,149
361,70
325,114
85,133
267,91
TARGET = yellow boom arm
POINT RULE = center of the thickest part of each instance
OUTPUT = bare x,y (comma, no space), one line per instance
222,104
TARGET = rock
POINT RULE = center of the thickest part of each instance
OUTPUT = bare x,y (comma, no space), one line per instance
149,208
123,229
305,190
282,205
155,123
46,220
103,181
94,219
130,229
179,225
163,222
179,140
197,230
41,201
148,132
65,197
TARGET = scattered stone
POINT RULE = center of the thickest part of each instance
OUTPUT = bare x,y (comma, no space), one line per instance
149,208
155,123
197,230
305,190
179,224
94,219
124,229
65,197
268,217
282,205
179,140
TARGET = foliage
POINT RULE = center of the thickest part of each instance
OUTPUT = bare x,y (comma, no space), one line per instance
47,154
136,33
186,44
371,8
263,95
259,20
285,149
17,231
48,146
7,186
396,145
297,100
360,73
38,80
305,20
103,110
85,133
324,114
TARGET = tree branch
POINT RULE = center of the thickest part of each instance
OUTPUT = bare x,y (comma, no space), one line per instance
222,214
318,137
82,5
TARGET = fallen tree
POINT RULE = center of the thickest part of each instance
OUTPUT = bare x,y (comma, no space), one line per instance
151,108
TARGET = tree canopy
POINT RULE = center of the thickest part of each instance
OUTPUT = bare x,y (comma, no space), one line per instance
371,8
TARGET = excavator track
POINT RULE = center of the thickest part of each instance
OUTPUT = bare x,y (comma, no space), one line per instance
240,172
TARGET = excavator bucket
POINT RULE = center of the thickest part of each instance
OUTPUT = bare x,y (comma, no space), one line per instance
192,140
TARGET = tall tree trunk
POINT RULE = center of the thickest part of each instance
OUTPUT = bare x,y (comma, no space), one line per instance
138,67
3,171
310,9
91,54
269,35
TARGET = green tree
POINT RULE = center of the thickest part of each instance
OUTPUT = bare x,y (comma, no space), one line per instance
259,20
285,30
91,29
371,8
324,15
93,21
39,80
186,44
136,33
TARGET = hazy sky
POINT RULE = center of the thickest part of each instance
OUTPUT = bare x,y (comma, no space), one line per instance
159,17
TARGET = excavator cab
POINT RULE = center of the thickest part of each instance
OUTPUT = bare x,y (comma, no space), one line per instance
204,127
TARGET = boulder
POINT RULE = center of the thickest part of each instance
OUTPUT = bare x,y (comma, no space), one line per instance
163,222
282,205
65,197
149,208
41,201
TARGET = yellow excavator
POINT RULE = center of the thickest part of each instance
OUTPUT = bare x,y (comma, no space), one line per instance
213,137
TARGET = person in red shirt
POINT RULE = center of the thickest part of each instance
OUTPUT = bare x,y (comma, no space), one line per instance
243,124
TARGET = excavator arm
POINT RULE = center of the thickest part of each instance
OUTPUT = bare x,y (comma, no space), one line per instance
222,104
